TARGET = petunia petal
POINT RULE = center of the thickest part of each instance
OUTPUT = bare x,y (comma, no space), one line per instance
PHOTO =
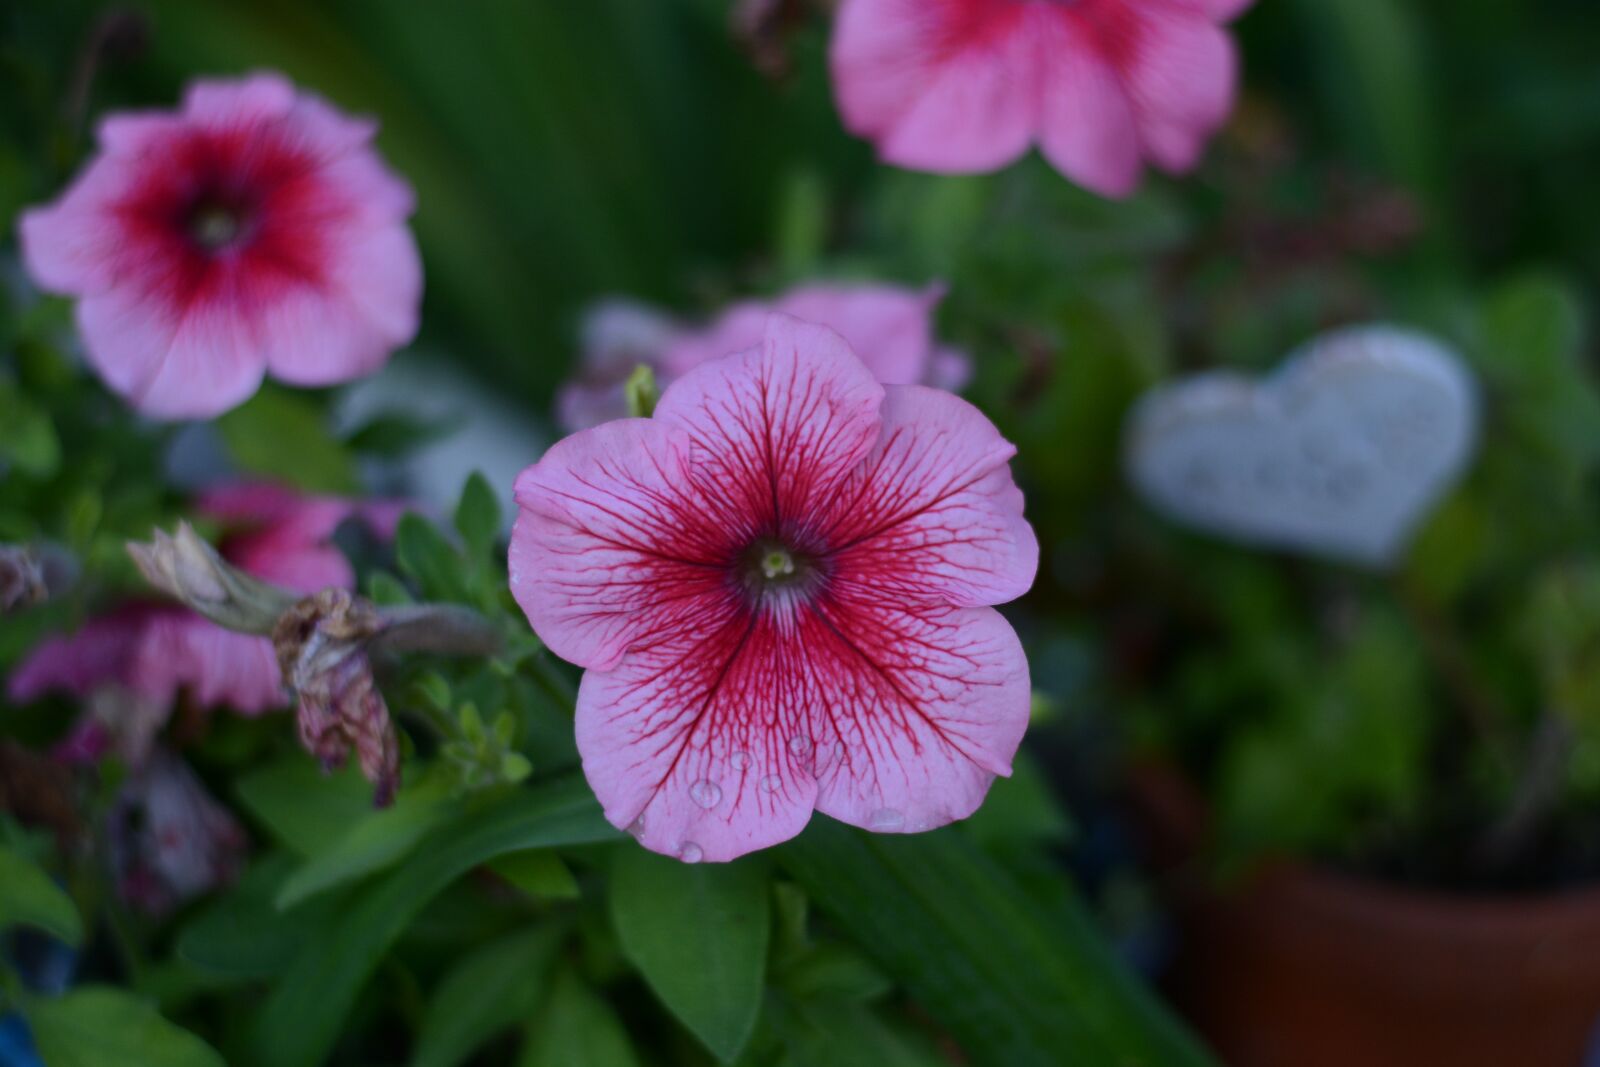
689,742
777,429
947,86
1181,79
609,543
926,706
932,515
1086,121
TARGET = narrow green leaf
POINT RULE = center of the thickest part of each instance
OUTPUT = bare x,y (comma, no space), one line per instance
698,933
1018,985
301,1019
375,841
539,873
835,1033
29,897
478,517
283,435
485,992
242,934
100,1027
303,807
576,1029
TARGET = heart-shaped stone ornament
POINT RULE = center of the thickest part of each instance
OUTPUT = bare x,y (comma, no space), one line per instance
1341,452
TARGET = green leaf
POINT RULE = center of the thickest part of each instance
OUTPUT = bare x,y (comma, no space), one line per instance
283,435
429,560
1016,984
396,434
834,1033
698,933
576,1029
485,992
539,873
303,807
836,971
28,438
101,1027
478,517
244,935
377,840
301,1019
29,897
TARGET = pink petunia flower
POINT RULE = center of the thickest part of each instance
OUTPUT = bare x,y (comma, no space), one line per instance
253,231
130,665
963,86
890,327
781,585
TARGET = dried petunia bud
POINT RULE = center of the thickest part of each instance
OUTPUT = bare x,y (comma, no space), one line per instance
189,570
22,582
322,644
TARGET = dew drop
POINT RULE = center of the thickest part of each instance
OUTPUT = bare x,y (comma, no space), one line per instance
886,820
770,783
689,852
739,760
800,745
705,793
636,828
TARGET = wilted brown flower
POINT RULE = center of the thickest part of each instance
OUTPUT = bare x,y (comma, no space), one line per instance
322,644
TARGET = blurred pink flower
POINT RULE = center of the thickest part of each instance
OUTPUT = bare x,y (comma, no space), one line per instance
889,326
169,839
130,665
780,586
253,231
961,86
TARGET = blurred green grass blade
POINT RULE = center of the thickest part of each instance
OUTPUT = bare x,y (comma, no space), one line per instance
1017,985
698,933
303,807
302,1018
242,934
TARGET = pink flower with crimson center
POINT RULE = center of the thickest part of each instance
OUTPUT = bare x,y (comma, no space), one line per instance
962,86
254,231
781,588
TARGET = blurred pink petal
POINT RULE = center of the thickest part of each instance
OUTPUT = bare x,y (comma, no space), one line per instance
1100,86
890,327
779,585
145,655
254,231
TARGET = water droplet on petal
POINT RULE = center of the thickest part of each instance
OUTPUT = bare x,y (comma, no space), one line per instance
636,828
800,745
689,852
705,793
886,820
770,783
739,760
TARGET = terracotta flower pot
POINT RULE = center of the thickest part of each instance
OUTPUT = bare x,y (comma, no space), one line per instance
1303,967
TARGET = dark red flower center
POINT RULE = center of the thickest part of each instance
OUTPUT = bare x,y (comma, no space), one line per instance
774,570
214,222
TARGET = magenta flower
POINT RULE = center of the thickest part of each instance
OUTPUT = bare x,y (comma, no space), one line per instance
253,231
780,586
961,86
890,327
146,654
